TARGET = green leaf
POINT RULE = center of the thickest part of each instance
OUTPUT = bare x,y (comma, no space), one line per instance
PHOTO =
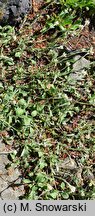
54,194
27,120
18,54
63,185
25,152
65,195
27,181
19,111
22,102
34,113
41,177
42,164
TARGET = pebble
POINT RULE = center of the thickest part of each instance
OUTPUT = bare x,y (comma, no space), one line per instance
8,176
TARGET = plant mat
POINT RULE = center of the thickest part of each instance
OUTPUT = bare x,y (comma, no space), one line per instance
49,120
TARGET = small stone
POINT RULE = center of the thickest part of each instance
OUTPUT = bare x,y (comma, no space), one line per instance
13,11
80,63
10,180
67,163
79,68
9,193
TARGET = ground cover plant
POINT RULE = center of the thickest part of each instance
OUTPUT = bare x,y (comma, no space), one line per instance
47,117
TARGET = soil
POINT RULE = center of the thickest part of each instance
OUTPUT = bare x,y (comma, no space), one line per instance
83,39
